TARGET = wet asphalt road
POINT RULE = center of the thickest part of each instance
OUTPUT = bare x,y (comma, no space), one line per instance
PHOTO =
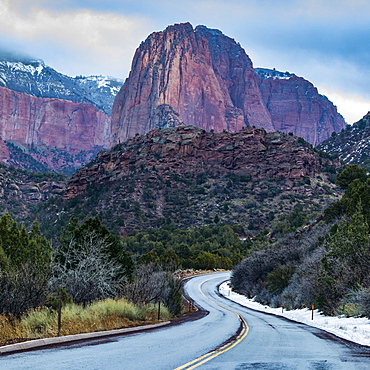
271,343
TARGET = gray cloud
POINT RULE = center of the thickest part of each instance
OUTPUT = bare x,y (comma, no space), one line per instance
13,56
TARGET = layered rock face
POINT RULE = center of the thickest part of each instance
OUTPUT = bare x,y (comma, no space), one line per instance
60,124
51,121
206,79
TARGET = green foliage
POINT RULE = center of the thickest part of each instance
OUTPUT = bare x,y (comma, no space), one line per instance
76,233
60,294
217,246
278,279
355,182
173,300
346,264
327,265
293,220
25,259
18,247
349,174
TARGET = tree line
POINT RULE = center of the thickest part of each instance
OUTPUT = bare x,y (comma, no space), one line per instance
90,263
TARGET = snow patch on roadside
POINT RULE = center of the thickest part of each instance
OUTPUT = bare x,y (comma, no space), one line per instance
354,329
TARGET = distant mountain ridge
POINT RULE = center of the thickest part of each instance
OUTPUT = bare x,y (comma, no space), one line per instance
33,77
181,76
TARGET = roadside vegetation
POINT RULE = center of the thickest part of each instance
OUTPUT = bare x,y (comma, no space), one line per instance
98,316
101,281
326,264
89,274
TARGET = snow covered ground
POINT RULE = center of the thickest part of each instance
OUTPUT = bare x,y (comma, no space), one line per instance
353,329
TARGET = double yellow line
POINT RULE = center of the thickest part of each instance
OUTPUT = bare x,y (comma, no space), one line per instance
232,343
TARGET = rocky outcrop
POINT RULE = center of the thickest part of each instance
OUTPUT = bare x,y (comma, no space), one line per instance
52,123
207,80
250,152
20,191
187,175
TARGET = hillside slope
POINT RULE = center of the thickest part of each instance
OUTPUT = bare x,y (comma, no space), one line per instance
191,177
352,145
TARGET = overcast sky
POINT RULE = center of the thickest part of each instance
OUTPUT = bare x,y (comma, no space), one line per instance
326,42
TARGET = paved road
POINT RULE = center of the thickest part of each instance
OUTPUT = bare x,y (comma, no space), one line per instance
270,343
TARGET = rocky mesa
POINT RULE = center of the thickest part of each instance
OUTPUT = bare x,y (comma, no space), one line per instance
200,77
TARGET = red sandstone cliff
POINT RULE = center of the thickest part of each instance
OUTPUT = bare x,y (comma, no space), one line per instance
296,106
52,122
201,77
71,127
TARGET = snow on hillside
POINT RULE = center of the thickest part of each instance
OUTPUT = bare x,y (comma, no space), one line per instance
111,84
33,77
354,329
32,67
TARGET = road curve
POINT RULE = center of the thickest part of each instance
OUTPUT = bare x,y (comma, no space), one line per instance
166,348
270,343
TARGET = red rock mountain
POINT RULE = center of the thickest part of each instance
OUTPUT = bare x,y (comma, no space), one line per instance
200,77
50,121
296,106
56,123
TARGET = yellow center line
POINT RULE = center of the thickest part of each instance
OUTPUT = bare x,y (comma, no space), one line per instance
212,354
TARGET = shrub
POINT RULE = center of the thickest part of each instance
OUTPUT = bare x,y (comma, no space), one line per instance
87,272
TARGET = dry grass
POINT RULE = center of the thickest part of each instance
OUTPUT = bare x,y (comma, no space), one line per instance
184,274
102,315
9,329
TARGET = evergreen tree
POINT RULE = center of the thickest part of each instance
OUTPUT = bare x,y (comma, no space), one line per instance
25,259
349,174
